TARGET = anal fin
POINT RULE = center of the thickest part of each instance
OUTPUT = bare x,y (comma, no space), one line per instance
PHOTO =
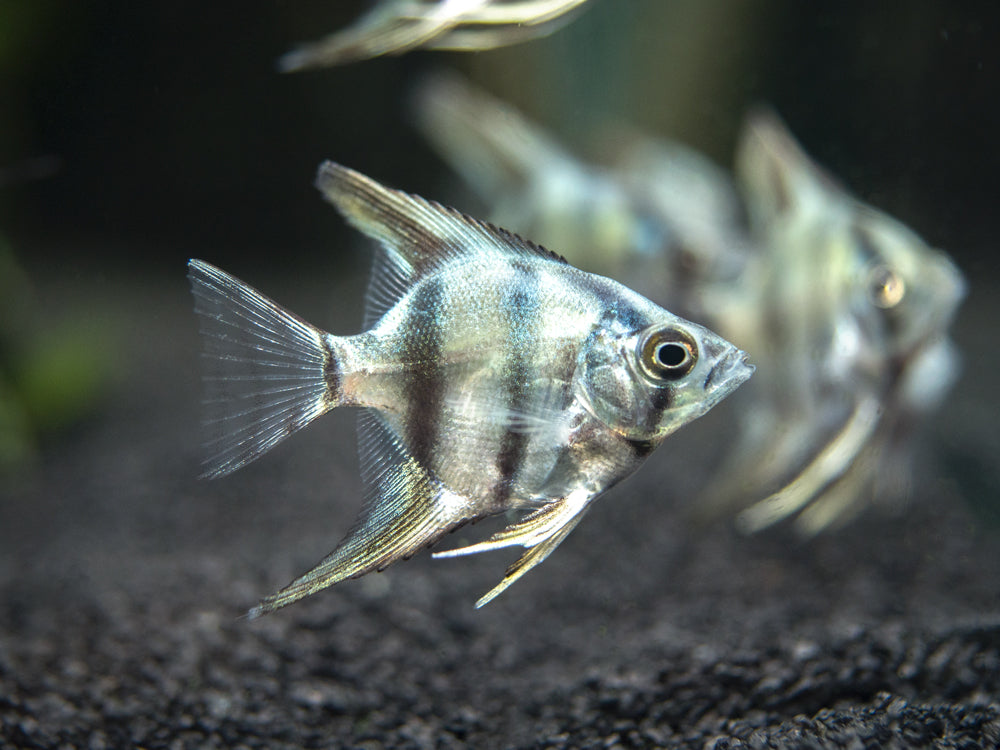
406,510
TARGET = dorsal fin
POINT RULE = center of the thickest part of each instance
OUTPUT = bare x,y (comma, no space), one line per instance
423,233
389,280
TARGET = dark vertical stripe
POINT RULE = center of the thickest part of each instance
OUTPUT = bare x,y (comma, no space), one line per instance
521,310
331,374
641,448
660,400
424,389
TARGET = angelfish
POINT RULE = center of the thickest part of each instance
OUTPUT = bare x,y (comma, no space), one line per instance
493,376
847,311
394,27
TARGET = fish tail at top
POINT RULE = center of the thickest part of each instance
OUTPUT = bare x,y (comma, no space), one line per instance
268,372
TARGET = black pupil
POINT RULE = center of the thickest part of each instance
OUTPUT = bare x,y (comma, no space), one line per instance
671,355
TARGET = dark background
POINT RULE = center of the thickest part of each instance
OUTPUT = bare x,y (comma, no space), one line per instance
171,128
136,135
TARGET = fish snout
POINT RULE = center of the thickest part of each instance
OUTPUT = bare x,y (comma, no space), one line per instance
730,371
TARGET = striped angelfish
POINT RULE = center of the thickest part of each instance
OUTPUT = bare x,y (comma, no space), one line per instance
494,376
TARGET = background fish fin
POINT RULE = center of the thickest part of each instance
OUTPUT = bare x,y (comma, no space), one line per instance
405,510
423,233
489,143
395,27
382,31
777,176
265,369
774,446
828,465
541,532
844,500
489,27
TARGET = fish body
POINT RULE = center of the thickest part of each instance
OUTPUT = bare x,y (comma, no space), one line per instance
848,311
394,27
493,376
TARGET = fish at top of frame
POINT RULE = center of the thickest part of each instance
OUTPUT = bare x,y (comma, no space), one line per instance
394,27
848,311
493,376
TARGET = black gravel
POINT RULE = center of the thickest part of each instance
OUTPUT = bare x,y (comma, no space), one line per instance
124,579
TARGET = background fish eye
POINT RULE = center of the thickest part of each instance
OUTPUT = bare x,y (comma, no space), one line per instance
669,354
885,287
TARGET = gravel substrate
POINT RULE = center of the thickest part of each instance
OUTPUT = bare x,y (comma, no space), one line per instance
123,580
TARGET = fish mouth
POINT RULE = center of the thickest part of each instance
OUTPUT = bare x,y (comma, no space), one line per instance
732,370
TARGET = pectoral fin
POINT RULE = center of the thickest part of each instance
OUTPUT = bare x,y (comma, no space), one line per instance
541,532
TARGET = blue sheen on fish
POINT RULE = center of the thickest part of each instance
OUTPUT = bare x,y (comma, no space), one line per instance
493,376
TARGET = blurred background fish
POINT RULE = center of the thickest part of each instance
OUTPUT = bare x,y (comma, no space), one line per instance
849,308
394,27
659,217
849,311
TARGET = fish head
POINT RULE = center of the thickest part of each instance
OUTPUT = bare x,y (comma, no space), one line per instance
913,289
840,265
646,381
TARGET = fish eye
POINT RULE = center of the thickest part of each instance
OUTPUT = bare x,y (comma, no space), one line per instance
885,287
668,353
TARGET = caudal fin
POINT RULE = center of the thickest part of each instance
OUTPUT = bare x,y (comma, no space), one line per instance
267,374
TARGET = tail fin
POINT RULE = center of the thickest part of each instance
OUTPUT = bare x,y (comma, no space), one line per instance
268,372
